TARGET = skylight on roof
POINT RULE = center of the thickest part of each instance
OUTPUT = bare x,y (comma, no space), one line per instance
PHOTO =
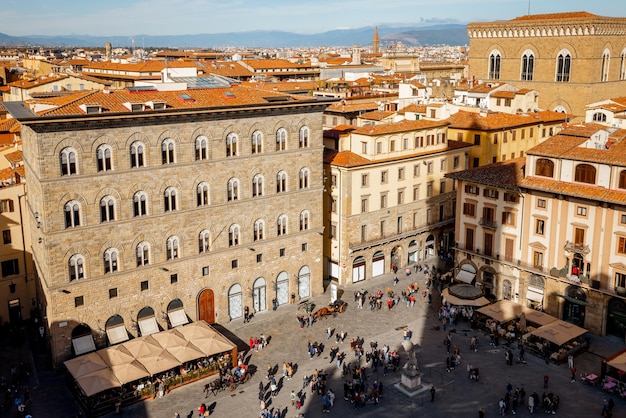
185,97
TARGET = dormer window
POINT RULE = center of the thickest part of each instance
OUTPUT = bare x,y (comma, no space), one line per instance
91,109
135,107
159,105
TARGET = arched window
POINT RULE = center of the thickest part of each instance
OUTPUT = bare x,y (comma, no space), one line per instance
103,157
604,72
204,241
622,66
68,161
281,224
544,167
169,199
281,182
257,185
167,151
233,235
622,180
202,148
231,144
202,194
137,150
494,65
232,189
257,142
304,137
143,254
563,66
259,230
76,267
528,66
304,220
304,178
107,209
171,247
110,260
585,173
140,204
599,117
281,139
72,214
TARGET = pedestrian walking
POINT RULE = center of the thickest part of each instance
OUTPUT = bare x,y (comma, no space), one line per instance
481,413
432,393
293,397
546,378
329,333
521,355
246,314
570,361
573,374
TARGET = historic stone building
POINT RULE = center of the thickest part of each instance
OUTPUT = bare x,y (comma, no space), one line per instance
549,230
571,59
387,201
153,208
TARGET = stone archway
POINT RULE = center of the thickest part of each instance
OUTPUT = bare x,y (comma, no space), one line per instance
259,295
430,246
397,256
358,269
206,306
616,318
378,264
574,306
82,339
235,301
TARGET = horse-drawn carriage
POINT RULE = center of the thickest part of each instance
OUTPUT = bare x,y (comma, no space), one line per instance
229,381
331,309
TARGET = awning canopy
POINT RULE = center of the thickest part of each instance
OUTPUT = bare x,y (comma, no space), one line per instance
97,382
465,276
86,364
178,317
618,360
148,325
505,310
534,296
83,344
454,300
574,300
558,332
117,334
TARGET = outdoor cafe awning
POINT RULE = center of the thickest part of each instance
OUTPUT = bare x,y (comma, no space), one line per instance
178,317
458,301
465,276
504,310
558,332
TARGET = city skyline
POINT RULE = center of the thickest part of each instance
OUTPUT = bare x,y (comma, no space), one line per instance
175,17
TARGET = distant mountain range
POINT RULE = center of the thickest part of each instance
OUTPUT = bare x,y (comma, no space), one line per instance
452,34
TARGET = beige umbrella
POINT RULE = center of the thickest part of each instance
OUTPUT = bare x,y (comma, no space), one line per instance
129,372
159,362
169,338
215,345
97,382
186,352
195,330
86,364
116,355
455,300
143,347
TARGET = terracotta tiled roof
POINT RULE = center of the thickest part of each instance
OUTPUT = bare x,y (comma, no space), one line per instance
28,84
483,88
140,67
7,124
273,63
556,16
401,126
503,94
228,69
14,157
377,115
351,107
601,194
113,101
6,174
505,174
415,108
337,61
21,170
283,86
500,120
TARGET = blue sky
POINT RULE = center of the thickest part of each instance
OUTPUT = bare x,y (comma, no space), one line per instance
176,17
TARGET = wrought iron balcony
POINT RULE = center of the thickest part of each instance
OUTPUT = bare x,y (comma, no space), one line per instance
488,223
578,248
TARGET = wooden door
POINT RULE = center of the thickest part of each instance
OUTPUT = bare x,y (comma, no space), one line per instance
206,306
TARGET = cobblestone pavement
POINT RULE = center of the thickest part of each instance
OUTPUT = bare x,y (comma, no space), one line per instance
456,395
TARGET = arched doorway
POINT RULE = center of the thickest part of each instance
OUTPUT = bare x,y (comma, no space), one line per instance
378,264
235,302
413,252
430,246
206,306
574,307
82,340
282,288
488,282
396,256
358,269
304,282
259,296
176,313
534,292
115,330
616,318
146,321
507,290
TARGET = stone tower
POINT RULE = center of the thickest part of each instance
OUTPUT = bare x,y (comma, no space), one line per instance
375,42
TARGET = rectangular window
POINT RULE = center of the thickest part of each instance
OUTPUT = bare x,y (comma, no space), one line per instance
509,243
510,197
416,193
476,162
399,225
234,264
579,236
333,230
508,218
173,278
416,170
541,203
364,204
476,139
540,225
259,258
459,136
523,133
364,147
471,189
333,180
469,209
383,200
282,252
491,193
6,205
10,267
400,173
400,197
379,148
144,285
392,146
538,260
495,139
429,167
455,162
364,180
429,189
363,233
304,246
6,236
621,245
113,293
442,187
382,228
469,239
205,270
79,301
581,211
620,279
514,135
532,133
383,177
442,165
623,218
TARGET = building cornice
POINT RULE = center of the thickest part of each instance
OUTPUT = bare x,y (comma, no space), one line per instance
600,26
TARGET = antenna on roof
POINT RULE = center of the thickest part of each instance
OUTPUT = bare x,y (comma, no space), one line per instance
529,7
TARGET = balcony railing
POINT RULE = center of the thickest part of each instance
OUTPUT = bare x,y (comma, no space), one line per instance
488,223
574,247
